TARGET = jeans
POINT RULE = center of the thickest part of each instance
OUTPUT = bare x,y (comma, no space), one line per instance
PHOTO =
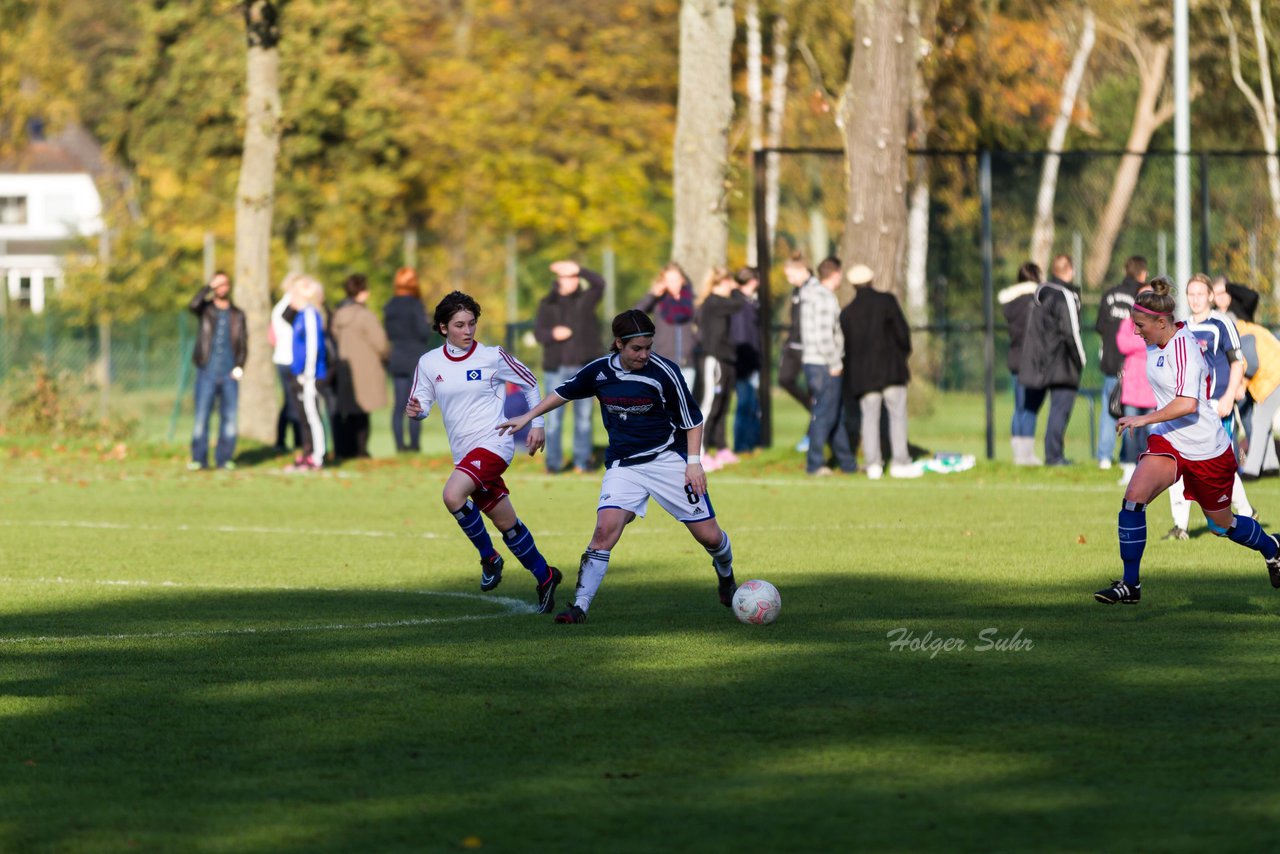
746,419
227,392
1024,419
288,411
1106,424
402,385
1134,442
827,423
583,411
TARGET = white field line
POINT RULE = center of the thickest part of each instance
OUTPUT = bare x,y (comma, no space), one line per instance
510,607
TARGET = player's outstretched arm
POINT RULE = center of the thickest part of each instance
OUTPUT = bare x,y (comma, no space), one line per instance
515,425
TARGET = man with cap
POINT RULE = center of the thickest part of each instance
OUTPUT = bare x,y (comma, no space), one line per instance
877,344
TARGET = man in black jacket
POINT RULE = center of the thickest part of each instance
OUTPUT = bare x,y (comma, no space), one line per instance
877,344
1053,355
1116,305
569,332
220,351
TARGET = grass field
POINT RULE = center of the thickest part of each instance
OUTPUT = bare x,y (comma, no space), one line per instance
254,662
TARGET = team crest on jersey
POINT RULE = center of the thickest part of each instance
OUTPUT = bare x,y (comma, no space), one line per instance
473,374
1160,362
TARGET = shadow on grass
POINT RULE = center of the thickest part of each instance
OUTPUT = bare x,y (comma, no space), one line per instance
663,723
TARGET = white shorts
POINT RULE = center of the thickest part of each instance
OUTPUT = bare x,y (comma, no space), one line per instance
630,487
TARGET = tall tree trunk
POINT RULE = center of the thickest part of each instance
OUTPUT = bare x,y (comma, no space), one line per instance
255,198
1042,231
703,113
916,271
755,108
1148,116
873,113
1264,110
778,74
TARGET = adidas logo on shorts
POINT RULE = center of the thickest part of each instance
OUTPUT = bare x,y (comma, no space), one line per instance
475,463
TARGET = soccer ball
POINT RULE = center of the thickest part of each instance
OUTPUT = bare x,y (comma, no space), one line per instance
757,602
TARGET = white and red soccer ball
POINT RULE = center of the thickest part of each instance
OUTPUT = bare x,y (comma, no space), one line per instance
757,602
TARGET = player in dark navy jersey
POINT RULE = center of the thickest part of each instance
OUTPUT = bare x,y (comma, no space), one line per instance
652,421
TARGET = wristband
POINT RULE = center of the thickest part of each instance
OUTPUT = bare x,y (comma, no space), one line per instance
694,460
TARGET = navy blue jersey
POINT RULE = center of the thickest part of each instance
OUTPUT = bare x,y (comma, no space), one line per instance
1219,343
645,412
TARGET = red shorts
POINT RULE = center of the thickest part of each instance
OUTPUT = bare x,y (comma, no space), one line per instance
1206,482
485,468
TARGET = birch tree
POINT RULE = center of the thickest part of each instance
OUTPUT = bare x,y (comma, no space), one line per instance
704,110
756,113
1264,111
1151,58
1042,230
917,255
873,117
255,196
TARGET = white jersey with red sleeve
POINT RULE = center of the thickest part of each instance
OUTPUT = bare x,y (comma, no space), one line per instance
1179,369
469,386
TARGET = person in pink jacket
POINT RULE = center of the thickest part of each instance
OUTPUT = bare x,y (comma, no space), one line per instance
1135,394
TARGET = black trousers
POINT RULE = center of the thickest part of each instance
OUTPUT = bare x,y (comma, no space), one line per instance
790,369
1061,400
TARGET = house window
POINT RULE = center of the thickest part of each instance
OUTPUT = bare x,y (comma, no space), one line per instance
13,210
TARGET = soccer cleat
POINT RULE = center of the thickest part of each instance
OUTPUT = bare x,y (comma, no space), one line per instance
491,572
547,591
572,614
1176,533
1119,592
1273,565
727,588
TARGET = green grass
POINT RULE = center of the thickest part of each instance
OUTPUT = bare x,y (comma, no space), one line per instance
249,661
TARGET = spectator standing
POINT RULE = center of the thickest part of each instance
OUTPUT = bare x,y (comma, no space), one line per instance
282,356
362,350
719,301
823,360
791,362
670,304
1053,356
569,331
1263,388
310,369
404,318
877,344
222,344
1015,303
744,329
1114,309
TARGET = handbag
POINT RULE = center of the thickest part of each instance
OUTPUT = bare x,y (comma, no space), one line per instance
1114,406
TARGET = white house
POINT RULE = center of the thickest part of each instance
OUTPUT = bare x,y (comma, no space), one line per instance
48,201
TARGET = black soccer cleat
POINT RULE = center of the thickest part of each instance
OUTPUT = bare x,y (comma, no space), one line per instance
1120,592
572,614
547,591
491,572
727,588
1273,565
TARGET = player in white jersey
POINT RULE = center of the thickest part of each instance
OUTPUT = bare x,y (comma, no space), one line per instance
655,431
1187,441
467,380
